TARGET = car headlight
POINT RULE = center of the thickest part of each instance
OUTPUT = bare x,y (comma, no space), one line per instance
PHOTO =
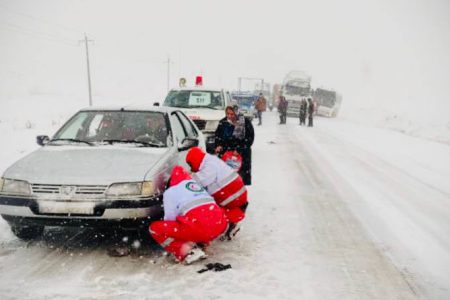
211,125
131,189
15,187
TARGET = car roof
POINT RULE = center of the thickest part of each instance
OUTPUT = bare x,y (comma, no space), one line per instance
197,88
141,107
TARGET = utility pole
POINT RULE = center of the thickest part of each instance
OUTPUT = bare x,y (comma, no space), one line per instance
86,42
168,62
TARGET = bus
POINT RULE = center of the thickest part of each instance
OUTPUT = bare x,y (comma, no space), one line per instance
328,102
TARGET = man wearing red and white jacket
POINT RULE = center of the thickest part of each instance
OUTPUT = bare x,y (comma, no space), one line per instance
190,216
221,182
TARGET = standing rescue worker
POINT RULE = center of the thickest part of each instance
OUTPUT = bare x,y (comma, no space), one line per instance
282,109
260,106
221,182
310,112
190,216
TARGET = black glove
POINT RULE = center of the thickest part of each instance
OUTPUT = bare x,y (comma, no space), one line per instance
216,267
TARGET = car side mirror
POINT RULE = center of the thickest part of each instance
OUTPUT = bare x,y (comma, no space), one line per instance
41,140
188,143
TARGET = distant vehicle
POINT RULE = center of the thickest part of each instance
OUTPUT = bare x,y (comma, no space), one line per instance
296,86
104,167
328,102
246,103
276,92
205,106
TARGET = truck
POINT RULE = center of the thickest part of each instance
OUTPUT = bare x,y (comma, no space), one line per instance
328,102
295,87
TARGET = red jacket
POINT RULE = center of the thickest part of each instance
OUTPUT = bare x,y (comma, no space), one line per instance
219,179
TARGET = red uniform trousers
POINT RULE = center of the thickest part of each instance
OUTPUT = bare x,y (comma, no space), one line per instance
233,199
199,225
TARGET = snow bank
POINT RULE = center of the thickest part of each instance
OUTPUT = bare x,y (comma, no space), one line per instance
428,126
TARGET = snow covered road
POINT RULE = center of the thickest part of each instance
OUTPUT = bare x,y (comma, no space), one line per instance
338,211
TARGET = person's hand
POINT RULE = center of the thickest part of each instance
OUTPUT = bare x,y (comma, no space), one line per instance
218,149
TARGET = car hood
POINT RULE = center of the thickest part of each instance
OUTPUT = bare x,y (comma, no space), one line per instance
80,165
204,114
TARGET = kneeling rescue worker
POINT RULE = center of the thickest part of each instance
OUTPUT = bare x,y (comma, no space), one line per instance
190,216
221,182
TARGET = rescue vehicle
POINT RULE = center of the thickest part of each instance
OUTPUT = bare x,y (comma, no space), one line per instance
203,105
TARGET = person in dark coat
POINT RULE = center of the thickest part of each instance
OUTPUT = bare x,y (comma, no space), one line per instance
303,109
236,133
282,109
310,112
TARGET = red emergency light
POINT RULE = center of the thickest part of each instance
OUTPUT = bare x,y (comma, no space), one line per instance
199,80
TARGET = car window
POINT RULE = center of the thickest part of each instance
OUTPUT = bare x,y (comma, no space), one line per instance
126,126
191,132
195,98
177,128
74,125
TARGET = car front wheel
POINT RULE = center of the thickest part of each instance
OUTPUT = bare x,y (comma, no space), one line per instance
27,232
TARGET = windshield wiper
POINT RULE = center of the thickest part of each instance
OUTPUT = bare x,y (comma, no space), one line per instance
145,144
72,140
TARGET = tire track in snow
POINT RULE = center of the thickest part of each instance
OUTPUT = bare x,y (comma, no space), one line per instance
341,241
394,209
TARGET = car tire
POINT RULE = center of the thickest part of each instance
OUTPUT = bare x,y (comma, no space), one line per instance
27,232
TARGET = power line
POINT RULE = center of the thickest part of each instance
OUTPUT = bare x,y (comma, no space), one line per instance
37,34
39,19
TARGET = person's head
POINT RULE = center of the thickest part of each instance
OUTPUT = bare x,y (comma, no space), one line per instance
260,95
194,158
178,175
230,113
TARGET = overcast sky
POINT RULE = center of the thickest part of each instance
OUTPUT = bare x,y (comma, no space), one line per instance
388,53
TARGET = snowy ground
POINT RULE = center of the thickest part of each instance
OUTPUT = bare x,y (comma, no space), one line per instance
338,211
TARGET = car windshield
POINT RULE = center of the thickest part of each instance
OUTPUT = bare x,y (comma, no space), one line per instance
299,88
90,127
245,101
195,99
325,98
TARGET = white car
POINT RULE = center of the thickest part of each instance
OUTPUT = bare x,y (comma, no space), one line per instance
105,166
205,106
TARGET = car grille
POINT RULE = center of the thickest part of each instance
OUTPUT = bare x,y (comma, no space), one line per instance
201,124
78,189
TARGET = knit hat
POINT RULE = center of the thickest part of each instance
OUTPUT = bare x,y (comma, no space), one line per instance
178,175
194,158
